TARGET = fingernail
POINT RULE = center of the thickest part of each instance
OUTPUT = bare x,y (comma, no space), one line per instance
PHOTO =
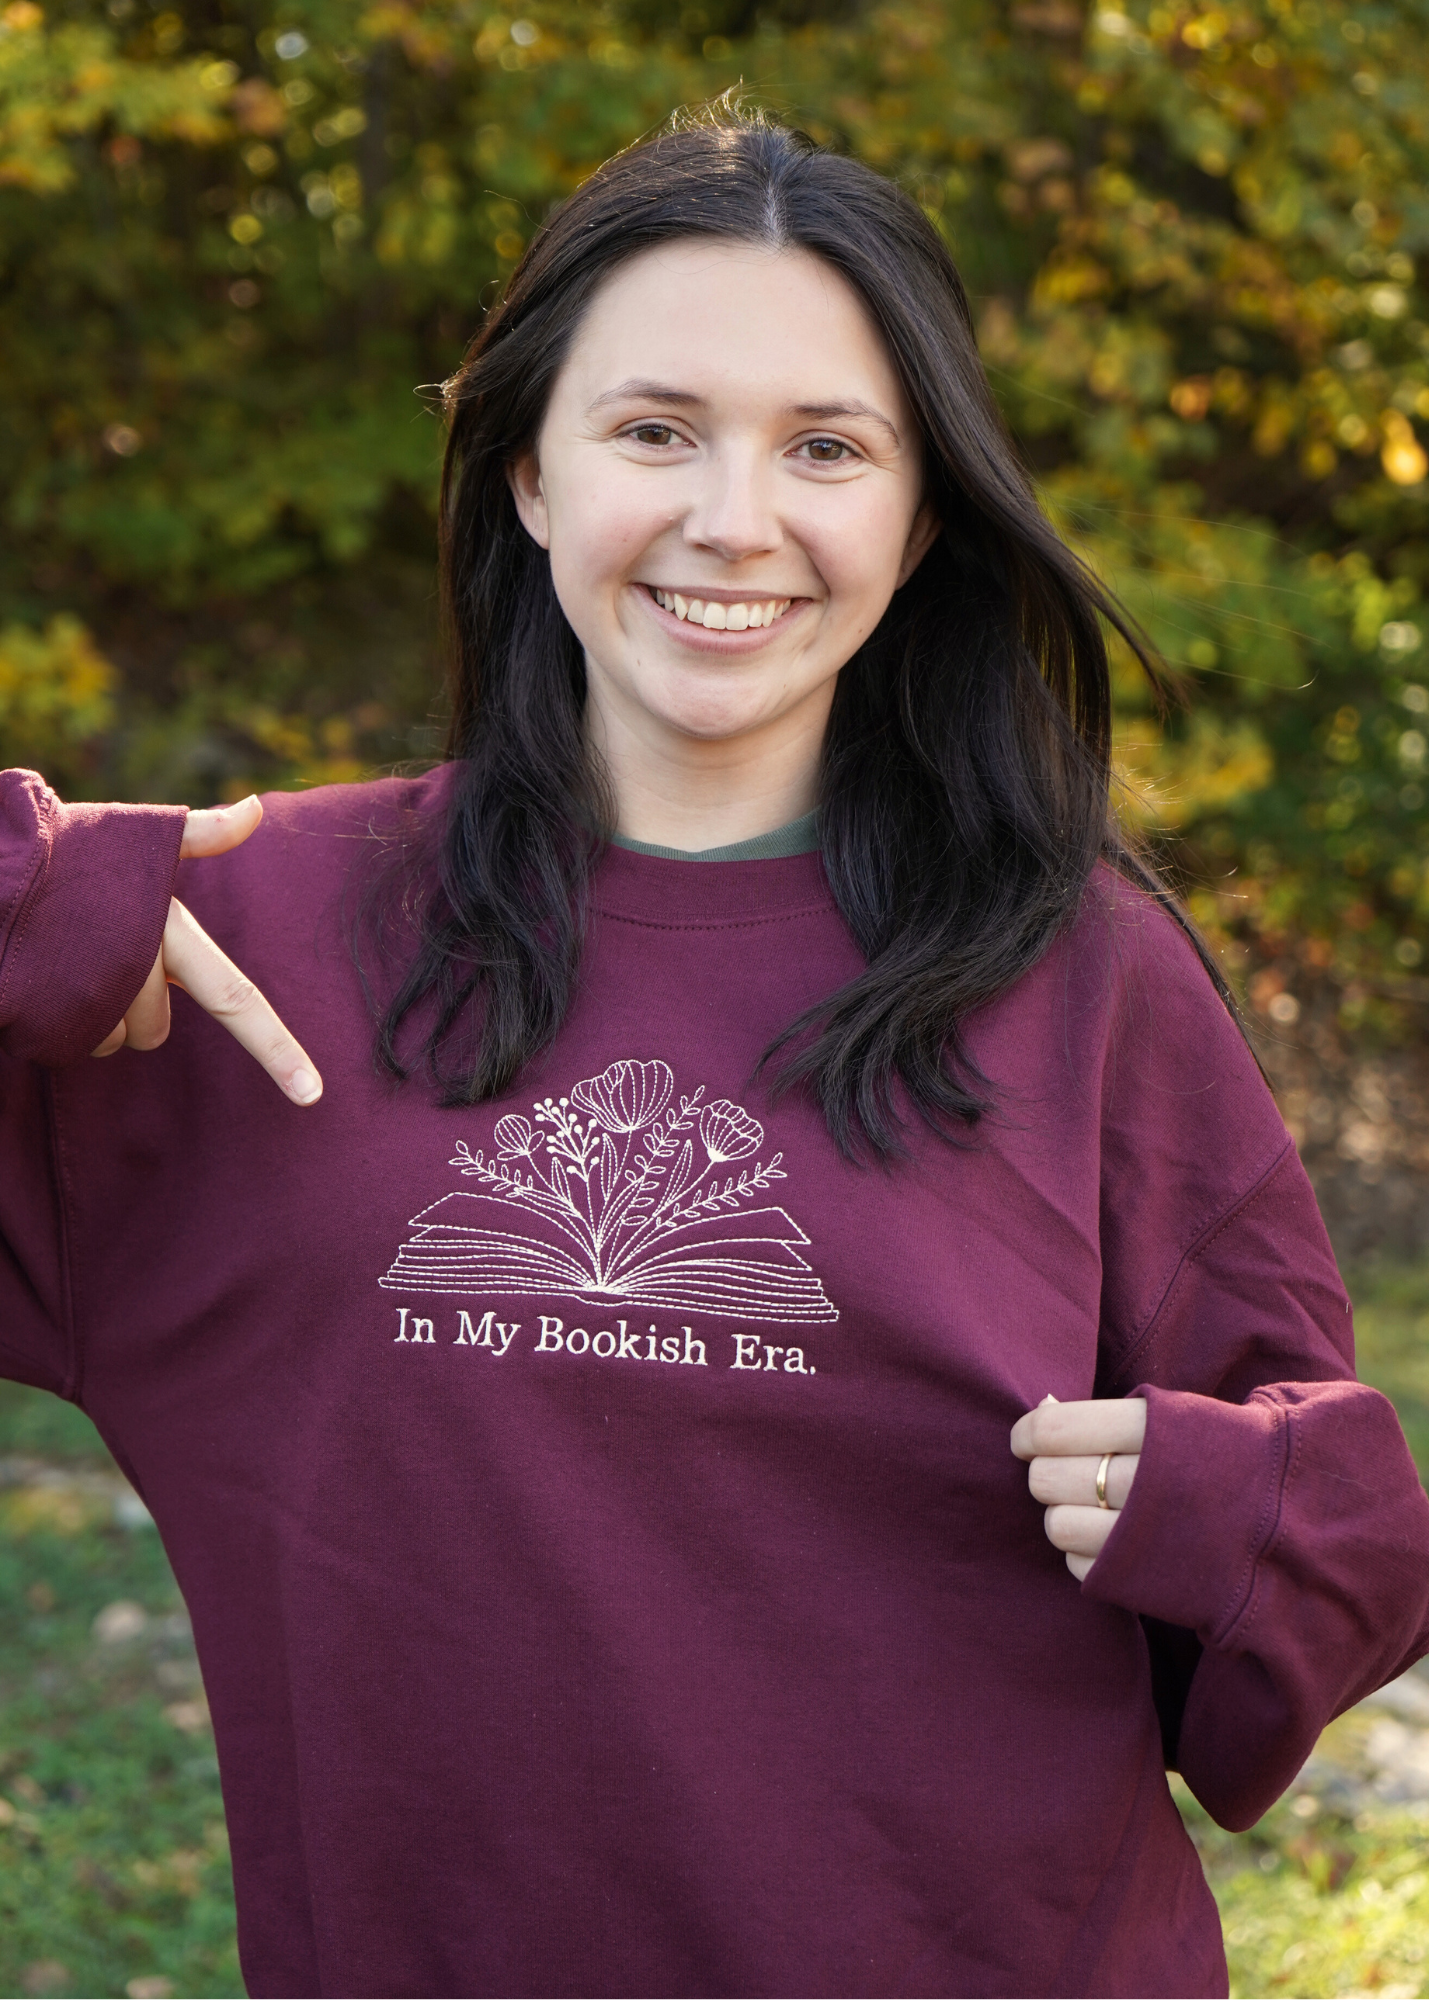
304,1087
239,804
1049,1397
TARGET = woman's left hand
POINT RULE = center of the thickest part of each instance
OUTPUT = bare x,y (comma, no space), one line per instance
1064,1444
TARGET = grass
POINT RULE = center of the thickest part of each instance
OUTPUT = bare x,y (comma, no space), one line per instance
114,1874
1313,1902
1392,1339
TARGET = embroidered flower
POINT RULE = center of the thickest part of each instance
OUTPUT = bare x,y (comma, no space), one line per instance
626,1097
729,1132
515,1137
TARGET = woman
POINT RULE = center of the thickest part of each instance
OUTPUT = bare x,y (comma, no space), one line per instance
582,1435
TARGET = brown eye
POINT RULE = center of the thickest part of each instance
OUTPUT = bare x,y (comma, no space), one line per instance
827,451
656,434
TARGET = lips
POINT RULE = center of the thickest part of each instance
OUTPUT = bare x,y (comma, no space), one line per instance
746,614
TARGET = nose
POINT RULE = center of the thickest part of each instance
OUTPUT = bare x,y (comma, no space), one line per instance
733,512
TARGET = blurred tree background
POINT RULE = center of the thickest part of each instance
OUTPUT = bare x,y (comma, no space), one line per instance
238,236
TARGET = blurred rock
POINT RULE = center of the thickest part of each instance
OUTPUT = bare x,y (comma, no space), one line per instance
1375,1755
44,1975
120,1622
190,1716
69,1499
1400,1756
1408,1697
130,1511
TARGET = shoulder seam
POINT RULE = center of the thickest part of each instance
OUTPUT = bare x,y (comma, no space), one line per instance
24,900
1200,1242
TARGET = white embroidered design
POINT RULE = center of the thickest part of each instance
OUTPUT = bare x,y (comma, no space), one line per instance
620,1193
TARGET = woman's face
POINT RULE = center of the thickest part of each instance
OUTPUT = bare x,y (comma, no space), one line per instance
729,484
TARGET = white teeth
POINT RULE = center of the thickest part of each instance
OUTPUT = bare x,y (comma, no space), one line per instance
722,617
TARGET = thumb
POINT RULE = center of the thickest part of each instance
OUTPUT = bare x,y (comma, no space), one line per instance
214,829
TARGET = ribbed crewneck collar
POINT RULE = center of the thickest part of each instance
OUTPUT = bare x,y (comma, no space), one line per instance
651,888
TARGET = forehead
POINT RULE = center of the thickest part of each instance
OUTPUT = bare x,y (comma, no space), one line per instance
718,318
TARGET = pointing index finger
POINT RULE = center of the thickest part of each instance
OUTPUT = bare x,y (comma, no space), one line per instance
193,961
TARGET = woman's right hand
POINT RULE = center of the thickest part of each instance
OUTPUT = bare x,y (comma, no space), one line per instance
188,957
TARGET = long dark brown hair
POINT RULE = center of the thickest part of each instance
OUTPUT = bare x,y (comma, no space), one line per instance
964,796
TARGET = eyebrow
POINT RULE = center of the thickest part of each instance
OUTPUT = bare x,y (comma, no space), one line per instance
640,390
637,389
824,413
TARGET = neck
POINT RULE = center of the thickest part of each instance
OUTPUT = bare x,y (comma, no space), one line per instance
690,792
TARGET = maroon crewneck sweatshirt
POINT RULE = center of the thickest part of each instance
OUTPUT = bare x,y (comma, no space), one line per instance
608,1566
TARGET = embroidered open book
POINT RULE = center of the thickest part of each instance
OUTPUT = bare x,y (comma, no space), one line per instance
619,1193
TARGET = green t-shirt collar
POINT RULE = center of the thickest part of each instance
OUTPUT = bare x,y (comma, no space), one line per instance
800,836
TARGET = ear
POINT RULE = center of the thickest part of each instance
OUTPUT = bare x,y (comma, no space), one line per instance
921,536
523,475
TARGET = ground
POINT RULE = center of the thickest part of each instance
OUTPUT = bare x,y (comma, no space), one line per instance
114,1871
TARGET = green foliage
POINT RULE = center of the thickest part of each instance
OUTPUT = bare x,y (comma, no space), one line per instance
237,240
55,694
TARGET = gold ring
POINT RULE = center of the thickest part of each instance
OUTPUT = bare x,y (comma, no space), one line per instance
1102,1470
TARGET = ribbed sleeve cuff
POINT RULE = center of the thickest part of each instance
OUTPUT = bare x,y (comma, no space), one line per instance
1203,1508
88,931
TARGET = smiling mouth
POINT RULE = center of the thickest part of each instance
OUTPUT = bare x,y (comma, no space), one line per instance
741,617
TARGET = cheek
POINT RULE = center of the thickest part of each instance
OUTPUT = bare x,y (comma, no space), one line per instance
598,532
858,551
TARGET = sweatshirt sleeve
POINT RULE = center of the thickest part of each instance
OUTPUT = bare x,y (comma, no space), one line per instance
1276,1539
84,893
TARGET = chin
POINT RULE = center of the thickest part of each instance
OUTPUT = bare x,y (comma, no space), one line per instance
706,726
712,713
